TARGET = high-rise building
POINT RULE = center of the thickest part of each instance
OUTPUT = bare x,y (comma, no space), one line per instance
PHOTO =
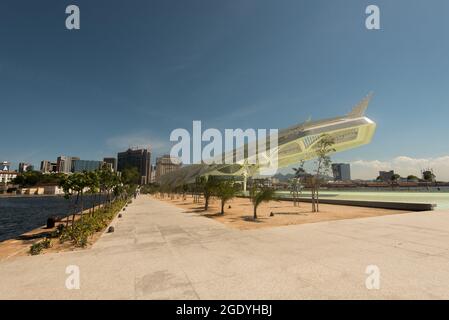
166,164
24,167
341,171
86,165
65,164
111,163
46,166
153,173
137,158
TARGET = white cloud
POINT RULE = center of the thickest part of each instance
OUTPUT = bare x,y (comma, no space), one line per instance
403,165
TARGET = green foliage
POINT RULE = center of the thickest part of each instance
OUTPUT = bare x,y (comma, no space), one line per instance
46,243
151,188
34,178
428,176
103,180
395,177
81,230
56,233
36,248
131,176
300,171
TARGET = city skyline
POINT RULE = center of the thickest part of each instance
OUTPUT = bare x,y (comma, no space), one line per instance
258,64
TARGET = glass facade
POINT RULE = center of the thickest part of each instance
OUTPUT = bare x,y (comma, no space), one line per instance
86,165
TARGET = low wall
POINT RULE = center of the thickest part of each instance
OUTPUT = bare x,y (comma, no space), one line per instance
406,206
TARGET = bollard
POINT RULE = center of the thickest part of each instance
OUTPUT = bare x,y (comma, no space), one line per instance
51,222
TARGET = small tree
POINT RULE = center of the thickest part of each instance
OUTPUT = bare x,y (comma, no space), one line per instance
208,187
394,179
225,191
295,190
412,178
323,148
93,185
185,188
67,187
429,177
131,176
258,196
75,183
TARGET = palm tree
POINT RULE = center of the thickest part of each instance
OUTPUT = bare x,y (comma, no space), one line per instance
260,195
225,191
208,187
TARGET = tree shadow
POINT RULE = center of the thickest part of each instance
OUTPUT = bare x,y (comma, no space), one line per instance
195,209
25,237
291,213
250,219
212,215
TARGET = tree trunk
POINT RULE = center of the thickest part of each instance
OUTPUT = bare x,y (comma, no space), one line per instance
74,211
313,199
82,206
206,203
222,207
255,212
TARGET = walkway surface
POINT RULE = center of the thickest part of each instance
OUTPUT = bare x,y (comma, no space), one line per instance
159,252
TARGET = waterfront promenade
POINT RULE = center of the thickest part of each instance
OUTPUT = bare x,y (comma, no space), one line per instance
160,252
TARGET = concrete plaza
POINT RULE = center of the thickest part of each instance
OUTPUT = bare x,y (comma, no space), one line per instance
159,252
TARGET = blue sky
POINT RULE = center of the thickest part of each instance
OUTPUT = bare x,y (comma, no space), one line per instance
136,70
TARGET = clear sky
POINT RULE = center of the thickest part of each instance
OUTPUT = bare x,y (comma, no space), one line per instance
138,69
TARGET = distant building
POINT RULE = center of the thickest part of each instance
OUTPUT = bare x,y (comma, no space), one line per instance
111,163
65,164
54,167
261,182
341,171
6,175
24,167
153,174
5,166
386,175
137,158
47,166
166,164
86,165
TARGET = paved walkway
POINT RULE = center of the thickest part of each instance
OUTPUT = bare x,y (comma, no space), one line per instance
158,252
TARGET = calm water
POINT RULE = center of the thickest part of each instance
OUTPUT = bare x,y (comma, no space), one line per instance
440,198
21,214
